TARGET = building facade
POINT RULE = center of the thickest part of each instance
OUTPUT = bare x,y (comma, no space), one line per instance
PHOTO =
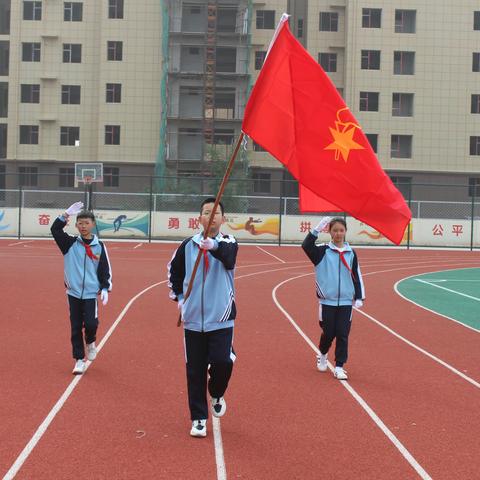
160,87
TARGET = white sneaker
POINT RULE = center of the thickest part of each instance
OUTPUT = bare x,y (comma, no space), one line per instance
322,364
91,351
199,428
219,406
340,373
79,367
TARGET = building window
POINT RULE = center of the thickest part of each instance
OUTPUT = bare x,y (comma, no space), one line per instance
476,20
66,177
3,140
112,134
405,21
32,10
115,9
71,94
111,176
226,60
114,51
2,180
476,62
258,148
328,61
475,108
300,28
474,145
372,140
224,102
403,63
370,60
28,176
266,19
4,17
4,57
402,104
403,184
114,93
72,11
223,136
369,101
259,59
261,182
474,187
31,52
371,17
30,93
29,134
3,99
401,146
328,22
69,136
72,53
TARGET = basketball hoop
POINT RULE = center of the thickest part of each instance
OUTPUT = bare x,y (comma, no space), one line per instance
87,180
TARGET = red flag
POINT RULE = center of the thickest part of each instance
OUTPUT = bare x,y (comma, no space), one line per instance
295,113
309,202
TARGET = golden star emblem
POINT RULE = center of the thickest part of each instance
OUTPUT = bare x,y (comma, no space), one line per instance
343,139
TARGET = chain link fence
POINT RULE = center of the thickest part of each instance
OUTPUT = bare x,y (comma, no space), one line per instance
449,207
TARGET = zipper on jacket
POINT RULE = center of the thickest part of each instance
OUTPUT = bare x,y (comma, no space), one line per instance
203,289
84,269
339,272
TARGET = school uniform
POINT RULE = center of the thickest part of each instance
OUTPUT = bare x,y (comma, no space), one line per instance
87,271
339,283
208,316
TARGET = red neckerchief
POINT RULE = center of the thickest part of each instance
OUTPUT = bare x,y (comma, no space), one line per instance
88,251
342,258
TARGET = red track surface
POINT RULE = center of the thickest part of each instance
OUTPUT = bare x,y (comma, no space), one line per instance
128,416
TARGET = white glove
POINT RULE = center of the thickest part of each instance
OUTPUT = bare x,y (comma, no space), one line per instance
104,296
358,303
207,243
77,207
322,224
180,303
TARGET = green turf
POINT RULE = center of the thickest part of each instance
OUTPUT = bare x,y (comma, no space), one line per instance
458,307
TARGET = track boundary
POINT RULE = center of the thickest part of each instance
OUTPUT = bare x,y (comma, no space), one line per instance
395,288
371,413
25,453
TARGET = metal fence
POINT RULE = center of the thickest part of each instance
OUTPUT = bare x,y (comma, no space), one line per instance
184,194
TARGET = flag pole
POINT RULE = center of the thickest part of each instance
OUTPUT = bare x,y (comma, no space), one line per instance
218,197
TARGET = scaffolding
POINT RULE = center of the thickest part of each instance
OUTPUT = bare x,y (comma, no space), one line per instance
205,82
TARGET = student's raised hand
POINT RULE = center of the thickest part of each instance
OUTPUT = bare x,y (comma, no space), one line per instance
75,208
322,224
104,296
358,303
207,243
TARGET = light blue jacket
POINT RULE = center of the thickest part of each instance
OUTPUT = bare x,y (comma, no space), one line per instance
336,284
84,276
211,303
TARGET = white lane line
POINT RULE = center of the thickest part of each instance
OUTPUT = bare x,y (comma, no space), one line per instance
448,289
219,457
432,280
388,433
271,254
20,243
421,350
137,246
68,391
397,291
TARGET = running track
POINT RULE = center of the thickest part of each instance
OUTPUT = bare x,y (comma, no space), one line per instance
127,417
